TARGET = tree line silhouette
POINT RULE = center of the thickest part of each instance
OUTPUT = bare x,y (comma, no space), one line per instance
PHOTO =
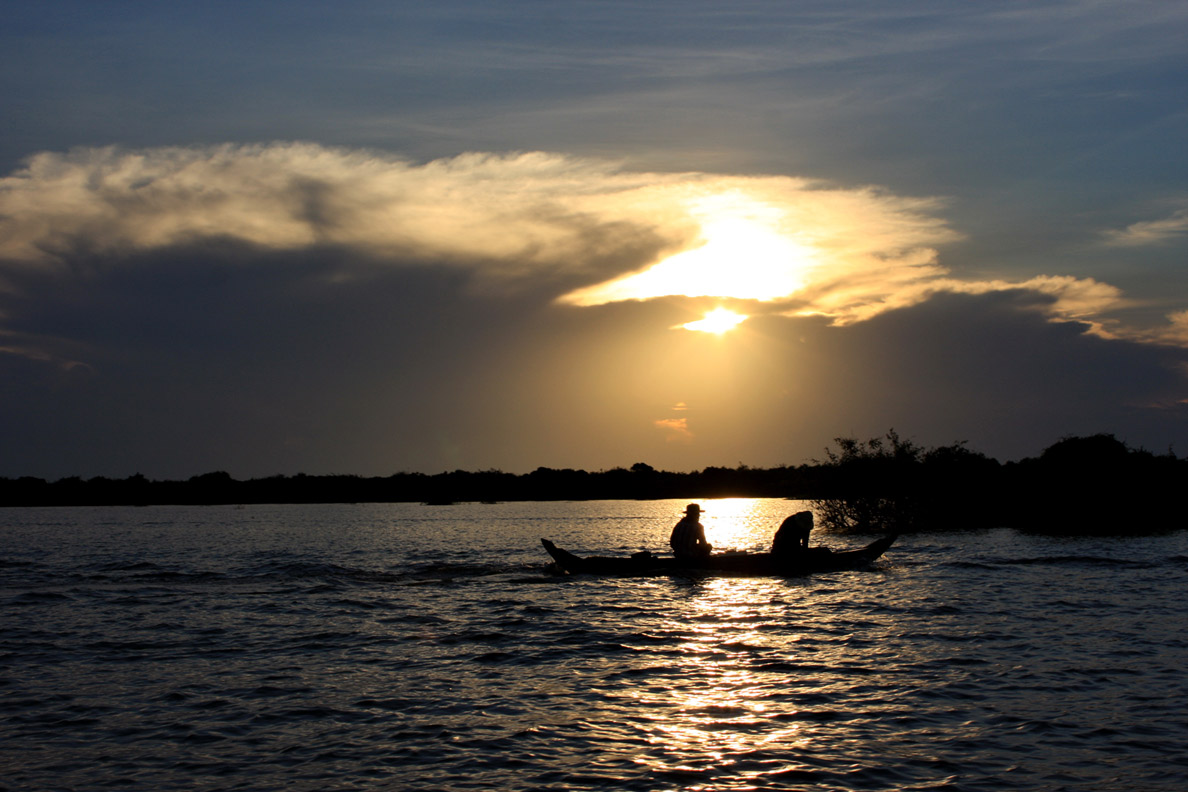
1079,485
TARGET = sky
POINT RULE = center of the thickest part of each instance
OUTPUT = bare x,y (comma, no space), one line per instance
375,237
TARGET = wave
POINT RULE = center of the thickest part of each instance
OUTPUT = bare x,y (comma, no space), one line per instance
317,576
1065,560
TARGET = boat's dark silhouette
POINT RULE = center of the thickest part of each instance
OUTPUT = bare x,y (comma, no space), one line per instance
811,561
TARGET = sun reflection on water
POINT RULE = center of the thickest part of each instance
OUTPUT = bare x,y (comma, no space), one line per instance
733,683
742,523
727,706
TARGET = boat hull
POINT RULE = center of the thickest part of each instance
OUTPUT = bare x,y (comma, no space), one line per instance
813,560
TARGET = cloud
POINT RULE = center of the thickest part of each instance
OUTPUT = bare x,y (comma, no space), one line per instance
503,215
990,366
1150,232
1174,333
585,231
231,357
507,217
1061,298
505,220
676,430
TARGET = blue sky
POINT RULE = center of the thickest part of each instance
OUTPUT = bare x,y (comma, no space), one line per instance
278,237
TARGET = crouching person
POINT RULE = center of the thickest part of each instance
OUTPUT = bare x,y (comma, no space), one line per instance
792,537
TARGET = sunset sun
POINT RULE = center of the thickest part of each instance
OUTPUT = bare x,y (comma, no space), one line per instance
744,252
717,321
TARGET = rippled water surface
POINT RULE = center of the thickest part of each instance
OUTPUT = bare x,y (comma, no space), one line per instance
425,648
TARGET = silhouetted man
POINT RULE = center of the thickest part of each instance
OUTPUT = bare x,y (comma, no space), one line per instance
688,536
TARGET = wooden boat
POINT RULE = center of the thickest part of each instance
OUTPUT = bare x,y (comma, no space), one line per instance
810,561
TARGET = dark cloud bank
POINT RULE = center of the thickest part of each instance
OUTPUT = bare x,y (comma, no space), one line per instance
219,356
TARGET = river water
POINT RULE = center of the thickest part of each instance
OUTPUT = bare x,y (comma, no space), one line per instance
411,647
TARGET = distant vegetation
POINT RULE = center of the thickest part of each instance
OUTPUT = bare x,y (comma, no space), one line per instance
1080,485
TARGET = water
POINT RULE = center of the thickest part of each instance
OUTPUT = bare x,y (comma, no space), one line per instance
424,648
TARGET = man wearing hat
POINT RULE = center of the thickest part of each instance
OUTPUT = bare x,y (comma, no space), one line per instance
688,536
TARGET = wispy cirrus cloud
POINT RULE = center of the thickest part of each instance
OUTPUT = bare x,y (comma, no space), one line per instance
1150,232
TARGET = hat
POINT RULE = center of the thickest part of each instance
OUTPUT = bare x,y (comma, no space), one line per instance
692,507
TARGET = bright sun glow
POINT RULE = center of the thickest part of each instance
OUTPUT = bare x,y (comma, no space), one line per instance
745,254
717,321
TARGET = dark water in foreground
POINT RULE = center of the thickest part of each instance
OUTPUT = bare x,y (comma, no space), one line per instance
422,648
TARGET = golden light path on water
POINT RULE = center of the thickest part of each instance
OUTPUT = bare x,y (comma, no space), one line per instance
716,707
724,709
741,523
425,648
